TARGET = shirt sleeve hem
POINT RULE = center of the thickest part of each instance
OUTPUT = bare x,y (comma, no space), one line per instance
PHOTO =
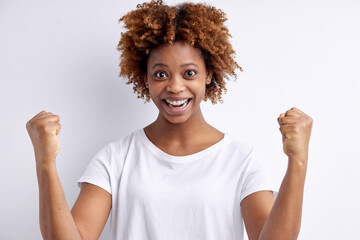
94,181
258,189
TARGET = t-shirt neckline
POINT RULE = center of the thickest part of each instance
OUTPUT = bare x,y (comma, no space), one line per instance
179,159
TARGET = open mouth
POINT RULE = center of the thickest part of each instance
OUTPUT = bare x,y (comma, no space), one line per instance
180,106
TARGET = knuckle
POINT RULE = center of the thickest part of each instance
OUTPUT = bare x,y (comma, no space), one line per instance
30,122
304,123
47,129
38,124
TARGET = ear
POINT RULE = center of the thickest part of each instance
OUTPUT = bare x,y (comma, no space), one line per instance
146,82
209,76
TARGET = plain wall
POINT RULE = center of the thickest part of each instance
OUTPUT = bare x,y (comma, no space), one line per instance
60,56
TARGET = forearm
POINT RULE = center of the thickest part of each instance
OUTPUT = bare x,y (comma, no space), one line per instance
56,221
284,219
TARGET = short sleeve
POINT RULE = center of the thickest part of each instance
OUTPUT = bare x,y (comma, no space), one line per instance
97,171
257,175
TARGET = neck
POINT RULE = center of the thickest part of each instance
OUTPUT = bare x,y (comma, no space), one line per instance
164,130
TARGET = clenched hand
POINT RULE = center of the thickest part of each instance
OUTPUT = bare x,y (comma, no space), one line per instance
295,127
43,129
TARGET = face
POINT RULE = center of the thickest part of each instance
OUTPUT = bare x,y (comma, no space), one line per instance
176,78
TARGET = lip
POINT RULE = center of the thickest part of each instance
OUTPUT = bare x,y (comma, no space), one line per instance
176,99
176,111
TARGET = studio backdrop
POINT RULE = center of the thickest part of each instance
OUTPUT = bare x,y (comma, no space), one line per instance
61,57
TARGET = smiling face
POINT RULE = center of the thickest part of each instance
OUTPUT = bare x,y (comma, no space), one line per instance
176,78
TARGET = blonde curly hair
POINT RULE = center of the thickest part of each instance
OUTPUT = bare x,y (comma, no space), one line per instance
153,24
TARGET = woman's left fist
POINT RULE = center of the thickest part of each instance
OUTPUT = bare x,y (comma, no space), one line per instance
295,127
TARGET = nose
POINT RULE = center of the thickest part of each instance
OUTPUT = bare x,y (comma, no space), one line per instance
175,84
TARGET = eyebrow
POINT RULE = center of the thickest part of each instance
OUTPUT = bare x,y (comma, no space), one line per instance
182,65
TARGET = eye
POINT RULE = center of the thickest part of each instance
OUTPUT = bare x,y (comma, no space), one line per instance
190,73
160,74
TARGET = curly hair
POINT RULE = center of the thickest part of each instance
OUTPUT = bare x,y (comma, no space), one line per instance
153,24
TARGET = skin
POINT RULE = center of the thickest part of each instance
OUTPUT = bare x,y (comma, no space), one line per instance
282,219
91,210
189,132
177,135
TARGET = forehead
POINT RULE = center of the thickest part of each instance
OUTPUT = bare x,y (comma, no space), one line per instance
179,52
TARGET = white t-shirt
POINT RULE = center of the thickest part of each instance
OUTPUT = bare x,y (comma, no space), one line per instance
157,196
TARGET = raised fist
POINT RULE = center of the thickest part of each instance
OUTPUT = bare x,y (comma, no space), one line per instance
43,129
295,127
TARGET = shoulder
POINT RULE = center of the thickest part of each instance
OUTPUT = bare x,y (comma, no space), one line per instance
235,145
113,150
247,154
122,142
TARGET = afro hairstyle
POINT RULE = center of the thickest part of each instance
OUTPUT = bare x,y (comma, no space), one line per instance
153,24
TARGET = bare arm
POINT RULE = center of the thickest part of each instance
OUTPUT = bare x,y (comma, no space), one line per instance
92,208
87,218
284,220
265,219
56,221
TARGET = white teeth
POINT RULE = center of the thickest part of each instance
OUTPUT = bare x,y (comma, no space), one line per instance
176,102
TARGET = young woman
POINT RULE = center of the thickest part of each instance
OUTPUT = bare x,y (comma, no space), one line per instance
179,177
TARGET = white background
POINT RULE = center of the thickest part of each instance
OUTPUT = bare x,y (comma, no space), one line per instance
60,56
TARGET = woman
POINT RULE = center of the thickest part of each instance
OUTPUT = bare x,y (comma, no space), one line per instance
179,177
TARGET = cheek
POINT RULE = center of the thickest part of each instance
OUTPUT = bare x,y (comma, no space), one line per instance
200,88
154,92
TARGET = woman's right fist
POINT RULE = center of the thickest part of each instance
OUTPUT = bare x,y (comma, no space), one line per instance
43,129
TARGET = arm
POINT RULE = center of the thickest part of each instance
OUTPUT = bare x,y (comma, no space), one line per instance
266,219
93,205
284,219
91,210
56,221
87,217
